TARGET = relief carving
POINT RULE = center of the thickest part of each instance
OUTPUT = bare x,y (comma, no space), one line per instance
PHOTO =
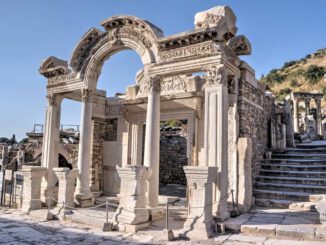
149,85
173,85
215,74
198,50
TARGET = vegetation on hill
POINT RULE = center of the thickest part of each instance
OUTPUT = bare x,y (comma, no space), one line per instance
304,75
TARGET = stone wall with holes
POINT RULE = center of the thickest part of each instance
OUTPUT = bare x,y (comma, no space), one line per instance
173,156
255,112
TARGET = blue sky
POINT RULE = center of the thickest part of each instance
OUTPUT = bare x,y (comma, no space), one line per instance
279,30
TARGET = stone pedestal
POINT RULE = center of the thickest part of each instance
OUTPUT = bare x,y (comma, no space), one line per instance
244,177
132,214
32,177
67,179
200,224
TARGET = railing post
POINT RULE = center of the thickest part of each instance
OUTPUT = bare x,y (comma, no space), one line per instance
167,216
107,210
107,225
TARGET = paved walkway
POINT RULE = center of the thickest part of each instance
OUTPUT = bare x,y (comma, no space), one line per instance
18,229
283,223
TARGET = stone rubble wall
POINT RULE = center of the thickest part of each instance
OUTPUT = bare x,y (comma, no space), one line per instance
255,112
173,156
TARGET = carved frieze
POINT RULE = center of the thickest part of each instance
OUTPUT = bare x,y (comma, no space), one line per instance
114,109
173,85
58,80
197,50
215,74
149,85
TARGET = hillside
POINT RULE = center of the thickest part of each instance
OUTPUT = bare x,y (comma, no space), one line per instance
304,75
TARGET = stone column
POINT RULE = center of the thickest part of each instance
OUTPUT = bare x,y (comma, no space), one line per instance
295,116
152,142
244,177
319,119
132,215
216,135
307,108
67,179
199,223
32,177
83,195
51,138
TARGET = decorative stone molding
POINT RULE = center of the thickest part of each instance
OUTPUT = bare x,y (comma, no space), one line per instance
221,17
59,80
53,66
149,85
86,95
199,50
233,82
51,99
215,74
240,44
174,84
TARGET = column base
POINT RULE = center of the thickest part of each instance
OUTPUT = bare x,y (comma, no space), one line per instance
222,216
84,201
156,214
198,231
133,228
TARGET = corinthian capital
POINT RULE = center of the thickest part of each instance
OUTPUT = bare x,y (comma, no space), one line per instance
215,74
149,84
51,99
86,95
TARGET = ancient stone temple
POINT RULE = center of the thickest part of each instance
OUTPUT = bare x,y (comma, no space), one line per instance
197,76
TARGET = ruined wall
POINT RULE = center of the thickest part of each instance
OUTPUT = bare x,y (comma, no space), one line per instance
173,156
96,166
255,110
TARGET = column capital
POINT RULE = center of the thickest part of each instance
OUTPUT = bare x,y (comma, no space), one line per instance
150,84
307,100
86,94
215,74
53,99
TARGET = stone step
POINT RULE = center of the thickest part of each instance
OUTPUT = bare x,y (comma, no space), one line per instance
295,161
303,206
302,150
291,180
311,146
282,173
298,156
294,196
293,167
276,203
291,187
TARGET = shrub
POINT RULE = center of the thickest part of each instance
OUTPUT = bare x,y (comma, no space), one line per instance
288,64
314,73
294,83
274,76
